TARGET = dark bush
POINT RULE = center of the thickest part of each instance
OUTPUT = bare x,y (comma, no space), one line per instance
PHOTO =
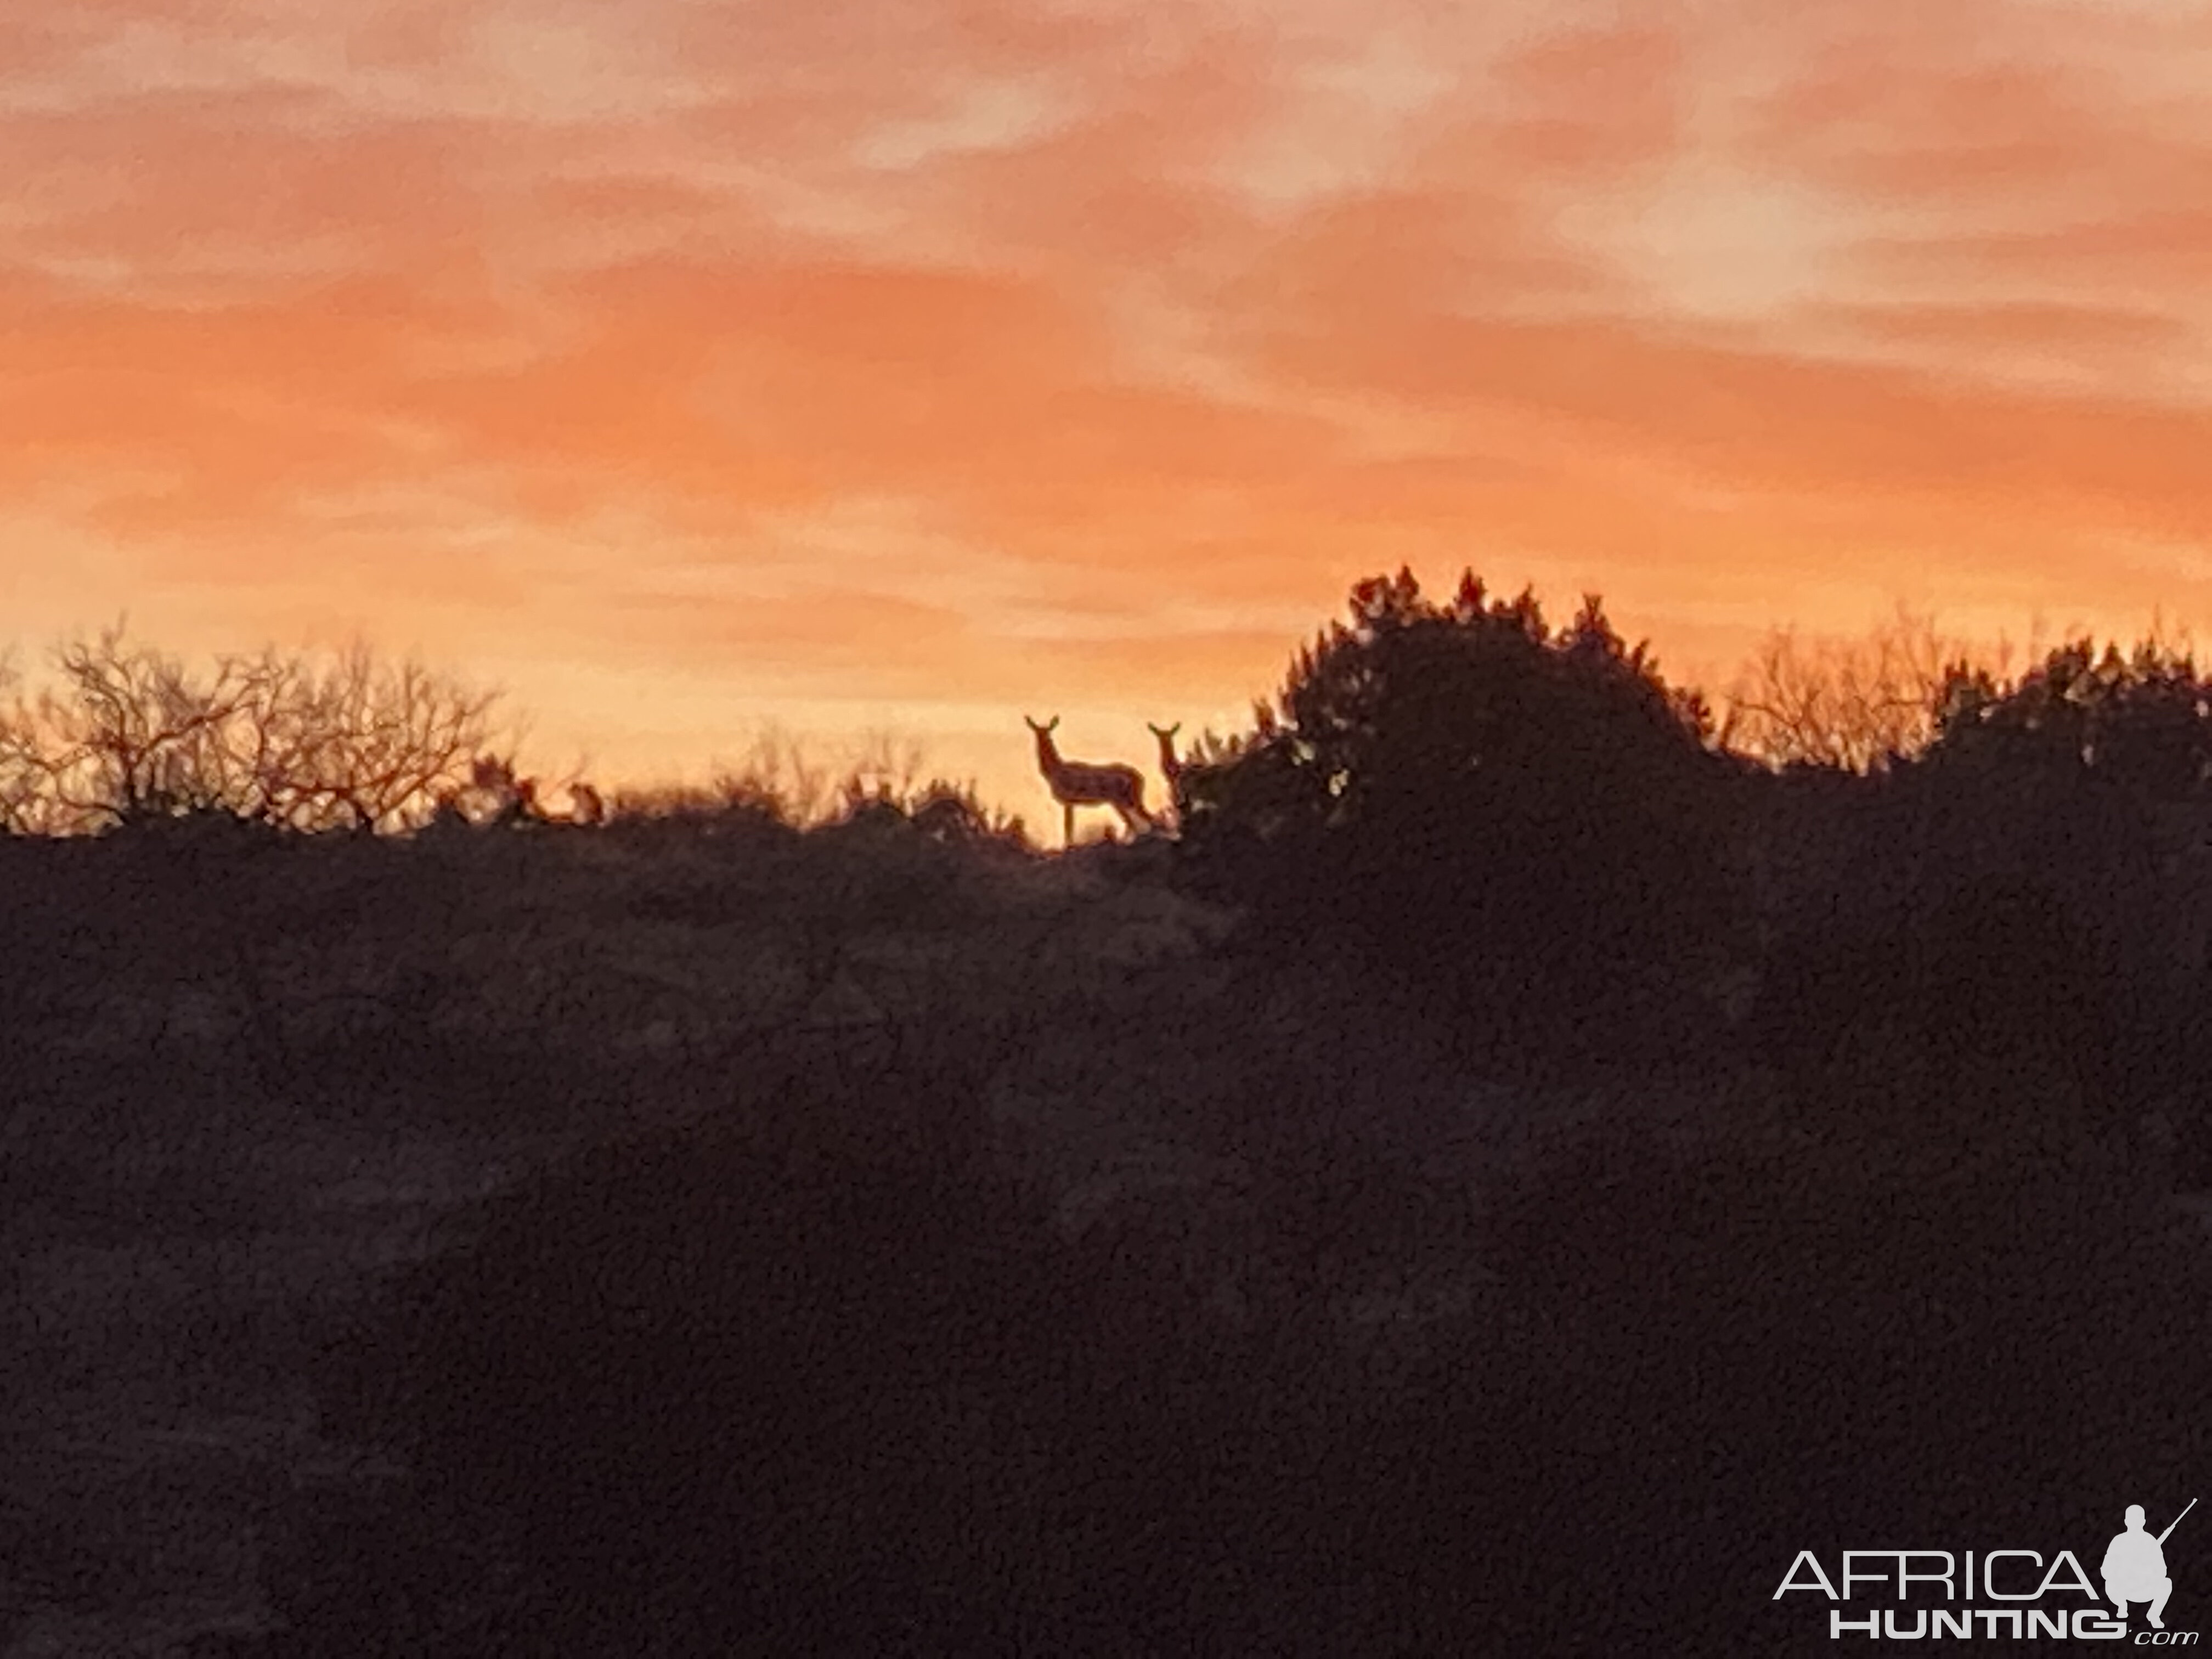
2140,721
1524,829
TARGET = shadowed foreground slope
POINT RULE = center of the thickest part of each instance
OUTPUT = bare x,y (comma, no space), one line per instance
828,1381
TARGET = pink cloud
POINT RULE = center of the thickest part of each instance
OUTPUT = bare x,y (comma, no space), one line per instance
1149,317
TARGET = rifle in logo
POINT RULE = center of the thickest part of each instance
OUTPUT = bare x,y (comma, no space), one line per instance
2176,1522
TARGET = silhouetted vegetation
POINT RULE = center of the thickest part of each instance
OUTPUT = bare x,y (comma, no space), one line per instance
1856,705
129,733
1518,825
2140,720
1511,1170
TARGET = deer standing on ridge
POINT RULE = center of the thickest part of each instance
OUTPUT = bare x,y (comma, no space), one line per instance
1078,783
1171,767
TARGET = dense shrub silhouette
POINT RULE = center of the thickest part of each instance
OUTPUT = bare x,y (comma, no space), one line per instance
2142,720
1525,825
2089,845
822,1393
2109,756
822,1387
1993,1004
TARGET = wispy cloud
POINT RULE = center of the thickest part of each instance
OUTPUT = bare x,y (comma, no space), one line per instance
972,351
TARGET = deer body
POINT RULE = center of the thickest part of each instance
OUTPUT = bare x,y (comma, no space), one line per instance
1078,783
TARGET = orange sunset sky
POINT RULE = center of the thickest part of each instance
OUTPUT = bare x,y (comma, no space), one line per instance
918,363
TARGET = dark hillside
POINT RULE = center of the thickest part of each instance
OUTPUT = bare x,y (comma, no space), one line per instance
1385,1217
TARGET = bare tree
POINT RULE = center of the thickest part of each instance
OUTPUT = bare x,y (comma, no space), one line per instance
129,733
22,799
1849,704
367,745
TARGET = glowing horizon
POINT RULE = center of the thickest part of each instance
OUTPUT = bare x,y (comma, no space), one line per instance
690,369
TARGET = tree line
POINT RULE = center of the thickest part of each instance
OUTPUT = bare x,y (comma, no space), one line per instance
1529,828
124,732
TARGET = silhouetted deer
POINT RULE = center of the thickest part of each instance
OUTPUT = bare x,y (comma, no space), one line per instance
1170,766
1076,783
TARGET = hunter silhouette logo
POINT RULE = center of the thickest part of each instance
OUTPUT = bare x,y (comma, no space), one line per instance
2133,1570
2135,1565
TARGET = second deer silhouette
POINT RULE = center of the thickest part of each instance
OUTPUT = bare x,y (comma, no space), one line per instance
1171,765
1078,783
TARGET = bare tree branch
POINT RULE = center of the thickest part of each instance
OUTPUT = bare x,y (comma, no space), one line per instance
129,733
1851,705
